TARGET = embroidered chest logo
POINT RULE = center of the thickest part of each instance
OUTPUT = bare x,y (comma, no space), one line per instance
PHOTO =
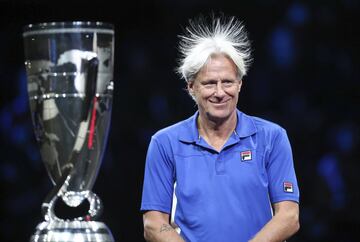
246,155
288,187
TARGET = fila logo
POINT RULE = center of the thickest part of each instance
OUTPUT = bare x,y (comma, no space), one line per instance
246,155
288,187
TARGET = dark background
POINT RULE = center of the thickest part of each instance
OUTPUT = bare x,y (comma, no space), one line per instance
305,77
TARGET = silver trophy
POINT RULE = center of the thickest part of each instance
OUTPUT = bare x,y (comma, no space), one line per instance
69,69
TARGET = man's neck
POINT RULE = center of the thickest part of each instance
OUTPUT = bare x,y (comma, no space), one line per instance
216,132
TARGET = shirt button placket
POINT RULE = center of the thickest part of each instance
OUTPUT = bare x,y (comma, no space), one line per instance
219,164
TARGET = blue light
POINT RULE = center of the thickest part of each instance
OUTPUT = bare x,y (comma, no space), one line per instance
282,47
328,168
158,107
33,153
22,83
298,14
5,121
19,134
344,139
20,104
8,172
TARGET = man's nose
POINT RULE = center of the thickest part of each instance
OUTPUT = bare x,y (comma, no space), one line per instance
219,91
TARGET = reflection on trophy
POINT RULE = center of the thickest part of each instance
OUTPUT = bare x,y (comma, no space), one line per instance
70,71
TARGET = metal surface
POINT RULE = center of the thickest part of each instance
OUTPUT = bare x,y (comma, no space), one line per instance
66,231
69,69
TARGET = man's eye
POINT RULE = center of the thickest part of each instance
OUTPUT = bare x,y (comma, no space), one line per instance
228,83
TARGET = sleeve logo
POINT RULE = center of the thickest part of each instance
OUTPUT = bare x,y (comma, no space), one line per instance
288,187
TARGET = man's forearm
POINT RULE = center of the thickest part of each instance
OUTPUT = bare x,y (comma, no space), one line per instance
162,233
278,229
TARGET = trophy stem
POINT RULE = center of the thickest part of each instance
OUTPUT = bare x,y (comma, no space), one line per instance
48,204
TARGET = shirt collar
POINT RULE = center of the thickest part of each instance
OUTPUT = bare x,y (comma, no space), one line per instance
190,133
245,127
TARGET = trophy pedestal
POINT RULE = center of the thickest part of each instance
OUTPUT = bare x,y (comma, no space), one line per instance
70,231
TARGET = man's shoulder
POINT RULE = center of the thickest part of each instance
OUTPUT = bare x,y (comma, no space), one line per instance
265,124
173,130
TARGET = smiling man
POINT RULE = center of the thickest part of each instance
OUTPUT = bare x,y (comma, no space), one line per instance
220,175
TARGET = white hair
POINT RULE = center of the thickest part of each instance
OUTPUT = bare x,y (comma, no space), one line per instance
200,41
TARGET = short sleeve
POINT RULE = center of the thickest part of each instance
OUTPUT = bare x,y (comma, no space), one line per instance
158,178
280,170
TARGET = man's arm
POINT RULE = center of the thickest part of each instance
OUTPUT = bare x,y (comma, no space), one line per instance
158,229
283,224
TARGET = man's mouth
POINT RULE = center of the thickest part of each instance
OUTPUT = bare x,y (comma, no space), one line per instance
216,102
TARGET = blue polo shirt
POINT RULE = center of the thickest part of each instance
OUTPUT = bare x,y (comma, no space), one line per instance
221,196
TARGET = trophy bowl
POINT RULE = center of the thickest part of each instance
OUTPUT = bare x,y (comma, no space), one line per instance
69,67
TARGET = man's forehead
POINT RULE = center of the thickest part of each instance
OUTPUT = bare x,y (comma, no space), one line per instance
217,73
218,63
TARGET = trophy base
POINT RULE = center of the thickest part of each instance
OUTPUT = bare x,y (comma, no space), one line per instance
72,231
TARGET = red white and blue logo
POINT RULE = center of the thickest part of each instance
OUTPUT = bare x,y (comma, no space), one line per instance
288,187
246,155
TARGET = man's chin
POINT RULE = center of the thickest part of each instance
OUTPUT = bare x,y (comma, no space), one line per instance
217,116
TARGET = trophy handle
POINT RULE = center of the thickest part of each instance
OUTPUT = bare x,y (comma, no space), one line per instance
47,207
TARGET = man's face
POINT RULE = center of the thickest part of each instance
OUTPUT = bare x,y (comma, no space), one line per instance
216,88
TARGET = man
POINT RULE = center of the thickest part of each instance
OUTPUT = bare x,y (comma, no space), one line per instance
221,175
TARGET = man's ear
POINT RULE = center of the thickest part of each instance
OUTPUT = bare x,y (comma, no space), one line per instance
190,87
240,84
